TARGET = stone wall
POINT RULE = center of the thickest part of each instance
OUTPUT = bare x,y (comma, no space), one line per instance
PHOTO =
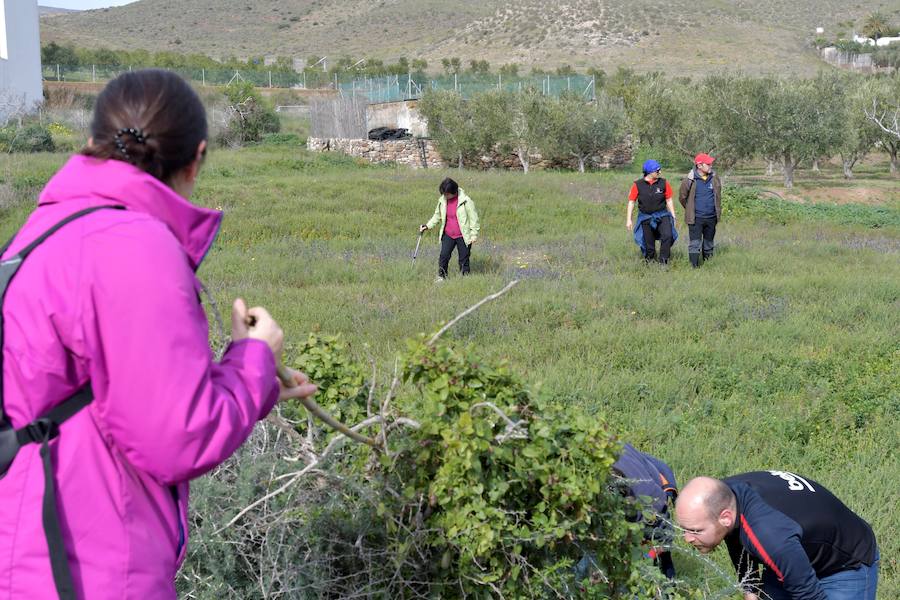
404,152
848,60
621,154
408,152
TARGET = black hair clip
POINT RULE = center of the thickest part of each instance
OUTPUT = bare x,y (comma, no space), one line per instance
136,132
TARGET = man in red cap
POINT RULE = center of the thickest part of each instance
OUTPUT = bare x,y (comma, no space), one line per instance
701,197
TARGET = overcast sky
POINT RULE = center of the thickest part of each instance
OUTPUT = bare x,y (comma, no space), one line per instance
83,4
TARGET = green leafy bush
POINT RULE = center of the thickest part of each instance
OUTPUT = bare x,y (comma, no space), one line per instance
483,490
343,388
249,117
281,139
32,137
514,489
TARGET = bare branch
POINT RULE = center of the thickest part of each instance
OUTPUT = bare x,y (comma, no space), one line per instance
470,310
513,428
884,120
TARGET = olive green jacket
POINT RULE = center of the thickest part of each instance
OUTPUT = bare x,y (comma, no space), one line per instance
465,214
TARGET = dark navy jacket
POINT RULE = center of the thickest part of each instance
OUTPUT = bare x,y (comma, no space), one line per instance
654,219
648,476
796,528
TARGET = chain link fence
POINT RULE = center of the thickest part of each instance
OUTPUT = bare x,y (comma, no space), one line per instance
374,89
406,87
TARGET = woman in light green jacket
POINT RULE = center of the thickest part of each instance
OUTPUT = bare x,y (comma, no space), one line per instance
459,226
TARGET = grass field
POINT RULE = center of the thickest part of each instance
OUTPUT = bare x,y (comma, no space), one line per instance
783,352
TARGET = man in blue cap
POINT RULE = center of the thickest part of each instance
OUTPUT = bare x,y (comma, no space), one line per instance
656,213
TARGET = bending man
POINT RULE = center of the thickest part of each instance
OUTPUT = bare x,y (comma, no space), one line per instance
809,545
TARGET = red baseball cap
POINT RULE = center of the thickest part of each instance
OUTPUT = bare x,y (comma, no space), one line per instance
703,158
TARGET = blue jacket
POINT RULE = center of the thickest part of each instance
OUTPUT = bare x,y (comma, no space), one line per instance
647,477
654,218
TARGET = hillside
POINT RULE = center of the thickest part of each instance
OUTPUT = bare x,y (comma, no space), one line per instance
679,35
52,11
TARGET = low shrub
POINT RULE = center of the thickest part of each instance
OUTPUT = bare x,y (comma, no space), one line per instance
31,137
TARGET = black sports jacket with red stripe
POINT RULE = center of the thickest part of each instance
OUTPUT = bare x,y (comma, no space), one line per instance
796,528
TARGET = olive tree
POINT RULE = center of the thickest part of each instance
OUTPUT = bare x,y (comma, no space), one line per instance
789,119
858,134
527,123
882,110
579,129
451,123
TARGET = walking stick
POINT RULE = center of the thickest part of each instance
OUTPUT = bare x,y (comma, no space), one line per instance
284,375
418,241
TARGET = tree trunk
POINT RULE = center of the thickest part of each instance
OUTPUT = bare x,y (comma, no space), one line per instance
893,151
788,163
815,166
523,159
848,167
459,163
770,167
581,164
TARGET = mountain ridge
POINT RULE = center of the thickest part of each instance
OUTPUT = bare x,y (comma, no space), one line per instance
756,36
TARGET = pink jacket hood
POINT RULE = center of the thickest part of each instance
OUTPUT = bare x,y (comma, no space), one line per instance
112,299
117,182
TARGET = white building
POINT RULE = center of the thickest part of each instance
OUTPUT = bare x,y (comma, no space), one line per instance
880,42
20,57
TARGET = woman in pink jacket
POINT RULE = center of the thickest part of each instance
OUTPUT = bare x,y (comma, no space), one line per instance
109,304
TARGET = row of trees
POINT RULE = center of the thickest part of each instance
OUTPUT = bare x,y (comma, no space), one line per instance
523,122
785,121
72,56
319,69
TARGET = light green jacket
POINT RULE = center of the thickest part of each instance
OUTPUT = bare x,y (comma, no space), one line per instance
465,214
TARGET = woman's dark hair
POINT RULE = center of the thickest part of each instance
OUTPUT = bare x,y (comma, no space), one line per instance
448,185
151,119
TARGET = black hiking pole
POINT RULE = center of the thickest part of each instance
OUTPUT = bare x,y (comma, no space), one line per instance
418,241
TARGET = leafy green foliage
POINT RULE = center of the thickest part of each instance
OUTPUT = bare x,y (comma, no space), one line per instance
343,388
515,490
30,137
580,129
451,124
250,117
878,25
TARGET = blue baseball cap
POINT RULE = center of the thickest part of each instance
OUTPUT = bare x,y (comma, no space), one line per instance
651,166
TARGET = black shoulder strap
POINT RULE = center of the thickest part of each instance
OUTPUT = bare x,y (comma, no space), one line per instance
10,266
42,430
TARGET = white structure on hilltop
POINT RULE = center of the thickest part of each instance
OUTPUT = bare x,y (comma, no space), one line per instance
880,42
20,57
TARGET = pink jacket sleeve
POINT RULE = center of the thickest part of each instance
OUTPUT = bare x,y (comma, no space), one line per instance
160,398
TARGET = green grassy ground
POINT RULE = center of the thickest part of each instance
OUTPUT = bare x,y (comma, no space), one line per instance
783,352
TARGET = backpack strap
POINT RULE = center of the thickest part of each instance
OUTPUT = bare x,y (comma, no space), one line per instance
41,430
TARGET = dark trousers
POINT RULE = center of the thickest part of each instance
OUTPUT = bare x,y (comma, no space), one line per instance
462,252
702,233
663,232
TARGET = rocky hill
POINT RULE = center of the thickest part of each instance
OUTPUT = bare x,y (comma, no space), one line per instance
677,35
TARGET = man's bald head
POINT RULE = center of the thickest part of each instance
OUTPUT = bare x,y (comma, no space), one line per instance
707,510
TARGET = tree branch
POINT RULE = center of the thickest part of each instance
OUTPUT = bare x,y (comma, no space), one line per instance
469,311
